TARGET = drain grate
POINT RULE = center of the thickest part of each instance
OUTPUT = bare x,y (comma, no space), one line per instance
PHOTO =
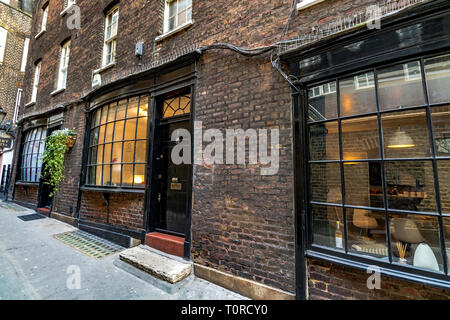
31,217
89,244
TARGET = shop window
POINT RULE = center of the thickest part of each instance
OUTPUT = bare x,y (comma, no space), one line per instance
118,144
32,150
379,163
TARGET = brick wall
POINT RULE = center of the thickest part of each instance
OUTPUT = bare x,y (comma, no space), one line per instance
27,194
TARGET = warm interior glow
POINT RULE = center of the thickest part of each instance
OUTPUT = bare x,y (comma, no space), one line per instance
401,141
354,156
401,146
139,179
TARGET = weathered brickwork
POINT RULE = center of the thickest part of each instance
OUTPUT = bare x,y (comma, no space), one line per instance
242,222
328,281
27,195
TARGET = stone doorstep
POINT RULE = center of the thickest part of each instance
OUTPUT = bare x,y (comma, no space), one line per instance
161,266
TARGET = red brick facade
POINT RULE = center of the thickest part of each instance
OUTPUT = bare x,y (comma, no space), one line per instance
242,223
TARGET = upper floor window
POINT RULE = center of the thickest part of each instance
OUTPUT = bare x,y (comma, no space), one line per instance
3,36
177,13
25,54
37,72
44,18
111,24
63,65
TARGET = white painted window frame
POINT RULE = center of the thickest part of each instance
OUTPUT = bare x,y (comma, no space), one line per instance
26,46
17,106
322,90
112,39
37,74
304,4
63,66
177,25
360,86
3,40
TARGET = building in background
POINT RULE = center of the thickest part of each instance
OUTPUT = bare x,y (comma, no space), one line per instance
363,128
15,28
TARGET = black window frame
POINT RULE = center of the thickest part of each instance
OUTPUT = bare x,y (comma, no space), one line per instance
24,153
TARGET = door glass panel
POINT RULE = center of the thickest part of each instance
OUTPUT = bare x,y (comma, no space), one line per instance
437,70
360,139
324,141
441,127
406,134
411,185
401,86
363,184
415,241
328,226
367,232
357,95
322,102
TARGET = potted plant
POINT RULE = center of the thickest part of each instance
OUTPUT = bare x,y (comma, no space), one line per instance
57,145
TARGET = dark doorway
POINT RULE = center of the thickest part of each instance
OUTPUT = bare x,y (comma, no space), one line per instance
171,182
45,201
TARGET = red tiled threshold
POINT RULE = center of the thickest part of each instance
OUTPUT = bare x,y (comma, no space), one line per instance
166,243
44,211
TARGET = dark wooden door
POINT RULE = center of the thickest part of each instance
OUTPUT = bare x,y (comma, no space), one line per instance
172,182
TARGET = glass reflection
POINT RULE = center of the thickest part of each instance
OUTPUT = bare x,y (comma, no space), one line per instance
328,226
322,102
357,94
437,71
360,138
324,141
326,182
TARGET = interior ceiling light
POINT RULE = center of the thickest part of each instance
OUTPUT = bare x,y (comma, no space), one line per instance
401,140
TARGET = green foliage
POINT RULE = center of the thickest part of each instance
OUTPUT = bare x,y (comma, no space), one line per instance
53,158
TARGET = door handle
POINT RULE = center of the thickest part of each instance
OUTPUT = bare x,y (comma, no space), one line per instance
159,197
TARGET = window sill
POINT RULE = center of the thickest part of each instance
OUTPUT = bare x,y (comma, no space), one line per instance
29,104
57,91
63,13
27,184
307,3
102,69
176,30
112,190
39,34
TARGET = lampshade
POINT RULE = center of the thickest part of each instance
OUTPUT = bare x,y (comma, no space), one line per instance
400,140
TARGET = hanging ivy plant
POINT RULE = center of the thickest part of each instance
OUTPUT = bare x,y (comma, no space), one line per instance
57,145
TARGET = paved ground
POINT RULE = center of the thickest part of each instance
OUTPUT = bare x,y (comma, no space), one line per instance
34,265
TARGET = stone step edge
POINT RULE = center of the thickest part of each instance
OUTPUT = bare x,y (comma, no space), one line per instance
129,256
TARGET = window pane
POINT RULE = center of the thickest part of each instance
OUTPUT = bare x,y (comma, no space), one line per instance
143,107
101,135
360,139
172,8
117,153
447,239
406,134
106,175
441,127
128,152
401,86
122,109
322,102
363,184
171,24
141,150
116,174
326,183
91,175
182,18
93,155
133,104
182,4
130,129
142,128
109,132
437,70
107,151
324,141
99,176
411,185
415,239
112,112
358,95
367,232
444,184
94,137
100,155
328,226
127,175
118,131
139,175
96,118
104,114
